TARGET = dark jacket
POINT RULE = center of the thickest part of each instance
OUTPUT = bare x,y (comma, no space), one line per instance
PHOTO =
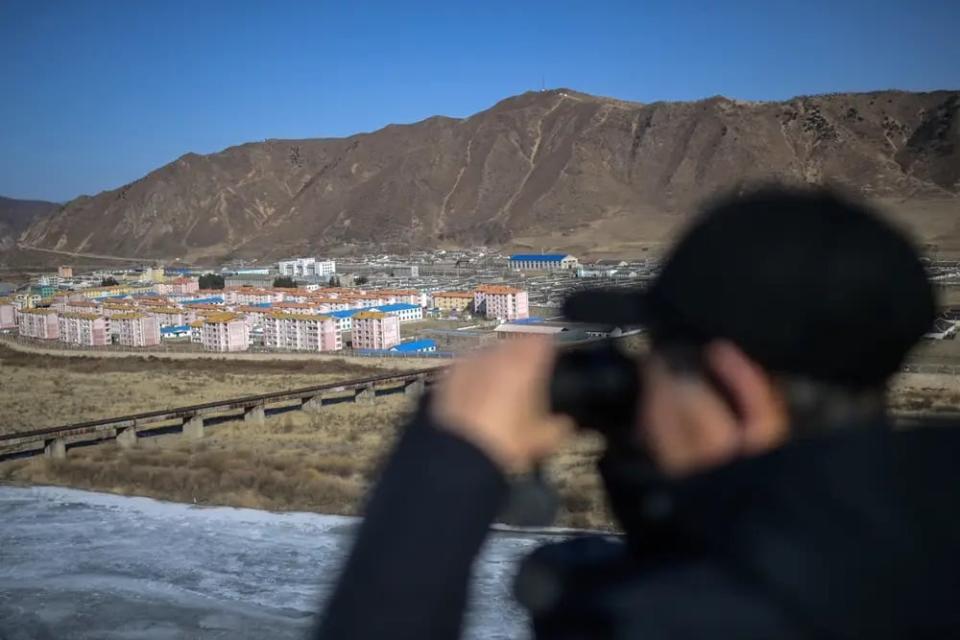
851,535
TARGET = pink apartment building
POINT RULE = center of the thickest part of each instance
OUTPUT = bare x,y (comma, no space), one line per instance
80,306
179,287
8,314
249,295
136,329
170,316
86,329
38,323
301,332
224,331
375,330
502,303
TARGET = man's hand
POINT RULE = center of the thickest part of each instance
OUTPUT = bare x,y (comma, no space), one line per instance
498,401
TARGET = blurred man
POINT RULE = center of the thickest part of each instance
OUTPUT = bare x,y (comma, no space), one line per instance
762,493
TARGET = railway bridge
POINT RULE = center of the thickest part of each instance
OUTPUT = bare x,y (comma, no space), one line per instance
192,420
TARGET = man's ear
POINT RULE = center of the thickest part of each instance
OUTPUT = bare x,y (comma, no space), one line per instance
760,409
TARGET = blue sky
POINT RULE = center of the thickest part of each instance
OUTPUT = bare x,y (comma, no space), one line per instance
99,93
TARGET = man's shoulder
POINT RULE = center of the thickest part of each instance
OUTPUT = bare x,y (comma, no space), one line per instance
601,595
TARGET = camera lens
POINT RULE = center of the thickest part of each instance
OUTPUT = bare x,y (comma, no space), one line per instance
597,385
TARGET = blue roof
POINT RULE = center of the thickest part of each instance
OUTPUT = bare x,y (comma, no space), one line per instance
210,300
415,345
399,306
180,328
264,305
344,313
539,257
530,320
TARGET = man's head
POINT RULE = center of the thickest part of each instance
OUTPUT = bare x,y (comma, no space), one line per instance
778,312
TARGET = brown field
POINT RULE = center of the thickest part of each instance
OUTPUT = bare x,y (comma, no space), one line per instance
42,390
296,461
320,462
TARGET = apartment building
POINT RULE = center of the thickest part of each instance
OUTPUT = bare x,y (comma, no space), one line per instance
65,272
26,300
115,308
224,331
178,287
254,316
501,302
301,332
85,329
448,301
79,306
136,329
170,316
38,323
375,330
196,331
307,268
249,295
8,314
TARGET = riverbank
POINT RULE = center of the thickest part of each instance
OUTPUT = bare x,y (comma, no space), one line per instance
88,566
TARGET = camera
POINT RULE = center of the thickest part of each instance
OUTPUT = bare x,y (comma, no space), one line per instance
598,386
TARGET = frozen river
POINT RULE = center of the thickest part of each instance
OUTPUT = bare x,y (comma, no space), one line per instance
76,564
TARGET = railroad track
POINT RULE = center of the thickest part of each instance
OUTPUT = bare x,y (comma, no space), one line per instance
190,420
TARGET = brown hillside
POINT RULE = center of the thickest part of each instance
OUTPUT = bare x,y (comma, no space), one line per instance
17,215
554,169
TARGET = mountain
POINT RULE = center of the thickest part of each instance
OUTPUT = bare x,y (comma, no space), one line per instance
551,169
17,215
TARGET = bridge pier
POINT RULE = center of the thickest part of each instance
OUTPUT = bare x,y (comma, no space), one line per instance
366,395
56,449
127,438
313,405
413,387
193,428
255,414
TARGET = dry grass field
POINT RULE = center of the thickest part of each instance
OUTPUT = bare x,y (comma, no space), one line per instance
299,461
40,390
320,462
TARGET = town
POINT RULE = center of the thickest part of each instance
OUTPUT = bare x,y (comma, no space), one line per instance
437,304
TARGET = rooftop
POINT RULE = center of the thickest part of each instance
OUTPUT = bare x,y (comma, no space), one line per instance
371,315
415,345
310,317
528,328
399,306
494,288
223,316
539,257
80,316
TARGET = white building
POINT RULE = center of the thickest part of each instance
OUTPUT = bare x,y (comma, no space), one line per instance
307,268
542,261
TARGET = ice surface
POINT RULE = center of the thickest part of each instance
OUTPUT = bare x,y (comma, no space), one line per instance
78,564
